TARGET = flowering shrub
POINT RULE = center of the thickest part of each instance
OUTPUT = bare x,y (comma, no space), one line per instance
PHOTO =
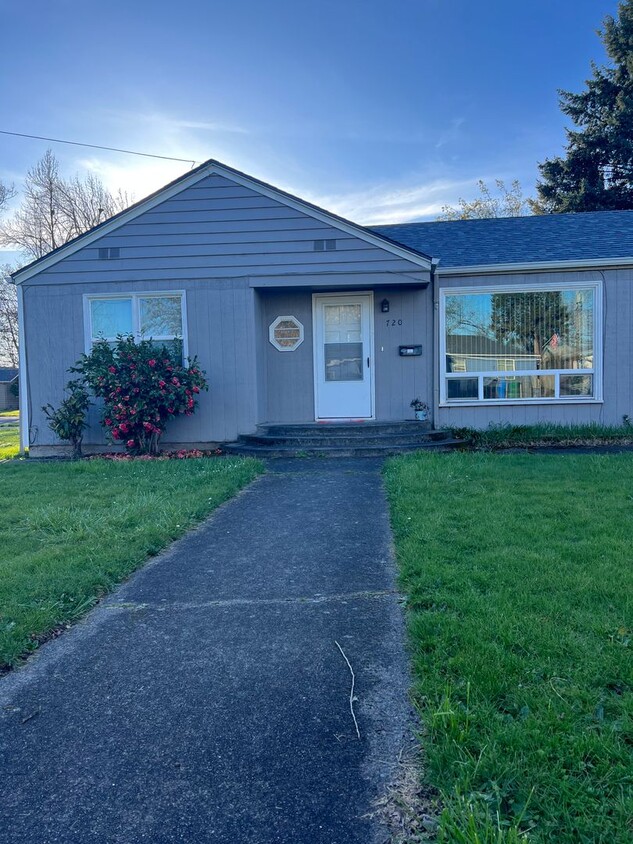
143,386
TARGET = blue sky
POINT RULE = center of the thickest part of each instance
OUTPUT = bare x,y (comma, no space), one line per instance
381,111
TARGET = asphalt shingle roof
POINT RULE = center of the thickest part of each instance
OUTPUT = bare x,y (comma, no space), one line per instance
510,240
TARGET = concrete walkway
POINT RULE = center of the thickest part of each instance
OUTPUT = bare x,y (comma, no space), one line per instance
206,700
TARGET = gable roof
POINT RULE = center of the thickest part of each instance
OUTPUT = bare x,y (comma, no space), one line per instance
210,167
594,236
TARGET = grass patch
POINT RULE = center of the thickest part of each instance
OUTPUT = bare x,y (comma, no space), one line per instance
9,442
71,531
532,436
9,413
520,588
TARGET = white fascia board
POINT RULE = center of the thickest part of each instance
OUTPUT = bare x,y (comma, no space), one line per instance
25,423
538,266
198,175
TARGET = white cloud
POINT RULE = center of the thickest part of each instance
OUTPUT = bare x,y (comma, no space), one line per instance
386,203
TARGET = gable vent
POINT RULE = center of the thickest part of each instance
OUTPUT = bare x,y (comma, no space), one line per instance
109,252
324,245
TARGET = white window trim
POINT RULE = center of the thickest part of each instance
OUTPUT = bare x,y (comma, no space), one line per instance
596,371
271,333
89,297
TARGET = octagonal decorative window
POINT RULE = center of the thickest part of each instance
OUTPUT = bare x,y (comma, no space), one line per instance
286,333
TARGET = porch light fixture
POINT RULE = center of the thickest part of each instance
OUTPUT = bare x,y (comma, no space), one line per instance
384,306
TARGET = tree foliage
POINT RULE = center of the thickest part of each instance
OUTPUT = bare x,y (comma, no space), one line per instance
506,202
596,173
143,386
55,209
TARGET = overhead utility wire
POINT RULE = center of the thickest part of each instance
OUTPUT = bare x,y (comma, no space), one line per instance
98,146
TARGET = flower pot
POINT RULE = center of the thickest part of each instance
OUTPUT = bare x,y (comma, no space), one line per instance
421,415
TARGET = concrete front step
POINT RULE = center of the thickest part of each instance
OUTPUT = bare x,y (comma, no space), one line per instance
338,451
340,440
345,429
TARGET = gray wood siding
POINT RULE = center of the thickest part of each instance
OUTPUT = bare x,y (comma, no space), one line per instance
617,357
401,379
221,332
289,375
219,229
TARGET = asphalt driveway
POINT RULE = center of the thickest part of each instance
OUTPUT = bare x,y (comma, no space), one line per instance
206,699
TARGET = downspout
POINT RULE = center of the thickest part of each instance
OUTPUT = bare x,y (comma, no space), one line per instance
436,339
24,381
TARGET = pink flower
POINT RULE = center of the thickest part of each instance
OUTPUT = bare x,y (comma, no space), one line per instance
148,426
161,384
175,381
196,389
130,443
112,369
115,434
108,421
151,362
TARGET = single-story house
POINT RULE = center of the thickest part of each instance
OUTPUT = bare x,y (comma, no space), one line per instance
300,316
8,381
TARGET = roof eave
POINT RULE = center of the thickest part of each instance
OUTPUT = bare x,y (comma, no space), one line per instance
538,266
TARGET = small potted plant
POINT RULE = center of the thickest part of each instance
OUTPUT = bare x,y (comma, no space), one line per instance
421,409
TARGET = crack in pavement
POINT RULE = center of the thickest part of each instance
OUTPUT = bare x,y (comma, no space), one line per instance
241,602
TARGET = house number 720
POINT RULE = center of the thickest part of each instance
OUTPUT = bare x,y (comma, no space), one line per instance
392,322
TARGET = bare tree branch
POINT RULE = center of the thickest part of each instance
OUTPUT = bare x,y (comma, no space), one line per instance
8,320
509,202
55,210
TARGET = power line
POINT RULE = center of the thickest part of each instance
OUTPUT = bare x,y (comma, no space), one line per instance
97,146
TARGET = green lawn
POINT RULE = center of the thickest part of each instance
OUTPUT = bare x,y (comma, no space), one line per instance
519,580
9,442
9,413
71,531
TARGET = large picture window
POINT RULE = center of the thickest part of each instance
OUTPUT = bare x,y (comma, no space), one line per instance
156,317
528,344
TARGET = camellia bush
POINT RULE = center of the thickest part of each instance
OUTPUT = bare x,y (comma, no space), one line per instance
143,386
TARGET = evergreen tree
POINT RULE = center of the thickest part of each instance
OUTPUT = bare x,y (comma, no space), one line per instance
597,171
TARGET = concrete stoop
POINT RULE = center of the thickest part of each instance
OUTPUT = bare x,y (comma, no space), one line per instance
349,439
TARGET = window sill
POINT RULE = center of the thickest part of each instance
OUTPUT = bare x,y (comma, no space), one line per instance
517,402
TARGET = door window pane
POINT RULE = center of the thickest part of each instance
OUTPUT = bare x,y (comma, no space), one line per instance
110,317
342,323
343,361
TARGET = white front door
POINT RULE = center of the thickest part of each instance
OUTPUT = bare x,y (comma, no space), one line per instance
343,356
